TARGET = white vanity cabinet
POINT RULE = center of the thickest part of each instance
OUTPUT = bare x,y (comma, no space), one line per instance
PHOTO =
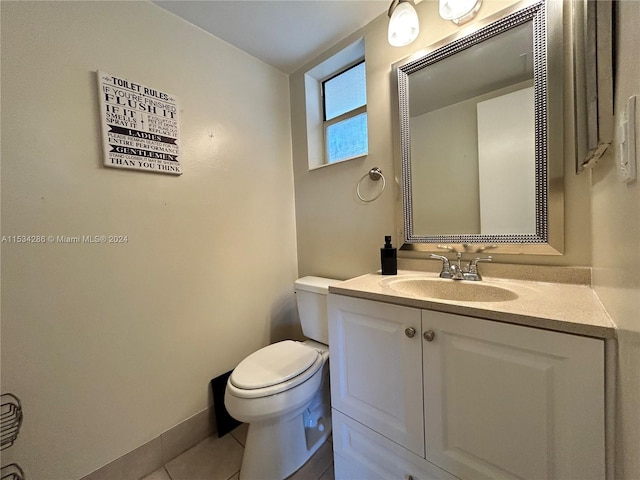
362,454
376,367
506,401
424,394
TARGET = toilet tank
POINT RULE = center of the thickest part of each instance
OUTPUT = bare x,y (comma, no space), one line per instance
311,296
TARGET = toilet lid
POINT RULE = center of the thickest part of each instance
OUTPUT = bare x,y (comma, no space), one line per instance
273,364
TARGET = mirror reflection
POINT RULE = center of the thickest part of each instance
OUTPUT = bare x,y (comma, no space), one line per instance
473,142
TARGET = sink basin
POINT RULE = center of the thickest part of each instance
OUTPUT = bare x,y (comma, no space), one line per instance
460,291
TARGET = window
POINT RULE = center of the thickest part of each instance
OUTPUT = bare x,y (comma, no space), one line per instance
344,99
336,107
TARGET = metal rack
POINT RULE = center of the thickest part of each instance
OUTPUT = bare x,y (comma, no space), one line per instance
10,422
11,472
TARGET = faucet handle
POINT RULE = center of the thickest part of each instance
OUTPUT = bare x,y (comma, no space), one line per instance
474,263
472,273
446,268
445,260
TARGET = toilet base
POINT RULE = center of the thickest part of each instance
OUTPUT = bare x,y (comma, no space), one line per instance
276,449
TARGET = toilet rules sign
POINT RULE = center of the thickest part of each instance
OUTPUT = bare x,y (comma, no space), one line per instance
140,127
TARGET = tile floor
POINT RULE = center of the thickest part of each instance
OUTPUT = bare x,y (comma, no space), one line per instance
219,459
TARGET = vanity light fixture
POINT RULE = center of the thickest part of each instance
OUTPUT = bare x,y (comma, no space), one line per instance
403,23
459,11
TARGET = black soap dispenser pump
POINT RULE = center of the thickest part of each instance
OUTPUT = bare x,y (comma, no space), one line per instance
389,257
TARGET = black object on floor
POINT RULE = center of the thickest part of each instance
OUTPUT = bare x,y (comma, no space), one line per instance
224,421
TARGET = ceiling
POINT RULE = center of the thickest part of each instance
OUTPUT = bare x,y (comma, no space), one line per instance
283,33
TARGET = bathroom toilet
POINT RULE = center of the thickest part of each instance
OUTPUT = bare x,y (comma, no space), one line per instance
282,392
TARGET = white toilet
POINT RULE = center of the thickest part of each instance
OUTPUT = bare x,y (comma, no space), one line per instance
282,392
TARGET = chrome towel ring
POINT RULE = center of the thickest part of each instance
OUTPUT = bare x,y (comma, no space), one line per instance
374,174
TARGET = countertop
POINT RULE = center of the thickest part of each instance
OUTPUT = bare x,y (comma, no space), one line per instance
560,307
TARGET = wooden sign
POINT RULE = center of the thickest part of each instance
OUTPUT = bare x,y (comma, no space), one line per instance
140,127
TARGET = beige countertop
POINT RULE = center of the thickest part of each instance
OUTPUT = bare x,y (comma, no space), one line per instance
561,307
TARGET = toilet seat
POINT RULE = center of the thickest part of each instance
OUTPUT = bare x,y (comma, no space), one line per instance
274,369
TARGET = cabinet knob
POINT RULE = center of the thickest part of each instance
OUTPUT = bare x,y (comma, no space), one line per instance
429,335
410,332
408,477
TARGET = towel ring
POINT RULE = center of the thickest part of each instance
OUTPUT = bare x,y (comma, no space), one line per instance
374,174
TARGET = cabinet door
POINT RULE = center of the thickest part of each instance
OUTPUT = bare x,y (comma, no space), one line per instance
362,454
510,402
376,369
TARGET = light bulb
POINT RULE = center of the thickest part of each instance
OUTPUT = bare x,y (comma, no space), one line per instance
403,25
459,11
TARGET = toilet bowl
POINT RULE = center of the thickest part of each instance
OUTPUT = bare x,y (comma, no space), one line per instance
282,392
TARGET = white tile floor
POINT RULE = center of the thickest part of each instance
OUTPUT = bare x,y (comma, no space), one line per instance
220,458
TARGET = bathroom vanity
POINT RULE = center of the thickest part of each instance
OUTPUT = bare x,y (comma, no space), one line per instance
507,380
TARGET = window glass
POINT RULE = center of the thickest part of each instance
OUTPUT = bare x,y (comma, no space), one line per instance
347,138
345,92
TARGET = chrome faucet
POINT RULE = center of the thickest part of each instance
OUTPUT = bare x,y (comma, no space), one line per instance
457,271
446,267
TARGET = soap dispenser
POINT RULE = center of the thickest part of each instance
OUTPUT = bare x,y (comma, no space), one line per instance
388,257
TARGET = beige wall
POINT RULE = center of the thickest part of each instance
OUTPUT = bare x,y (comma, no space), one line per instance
340,236
616,248
109,345
434,144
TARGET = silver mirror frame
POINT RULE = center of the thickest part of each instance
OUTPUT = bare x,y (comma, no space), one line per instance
548,40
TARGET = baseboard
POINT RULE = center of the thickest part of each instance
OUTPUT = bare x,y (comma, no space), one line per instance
154,454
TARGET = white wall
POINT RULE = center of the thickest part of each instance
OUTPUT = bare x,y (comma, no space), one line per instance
506,163
110,345
616,248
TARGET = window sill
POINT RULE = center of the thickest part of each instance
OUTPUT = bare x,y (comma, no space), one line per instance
337,162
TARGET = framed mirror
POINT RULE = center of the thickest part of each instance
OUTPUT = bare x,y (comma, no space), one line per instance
481,137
